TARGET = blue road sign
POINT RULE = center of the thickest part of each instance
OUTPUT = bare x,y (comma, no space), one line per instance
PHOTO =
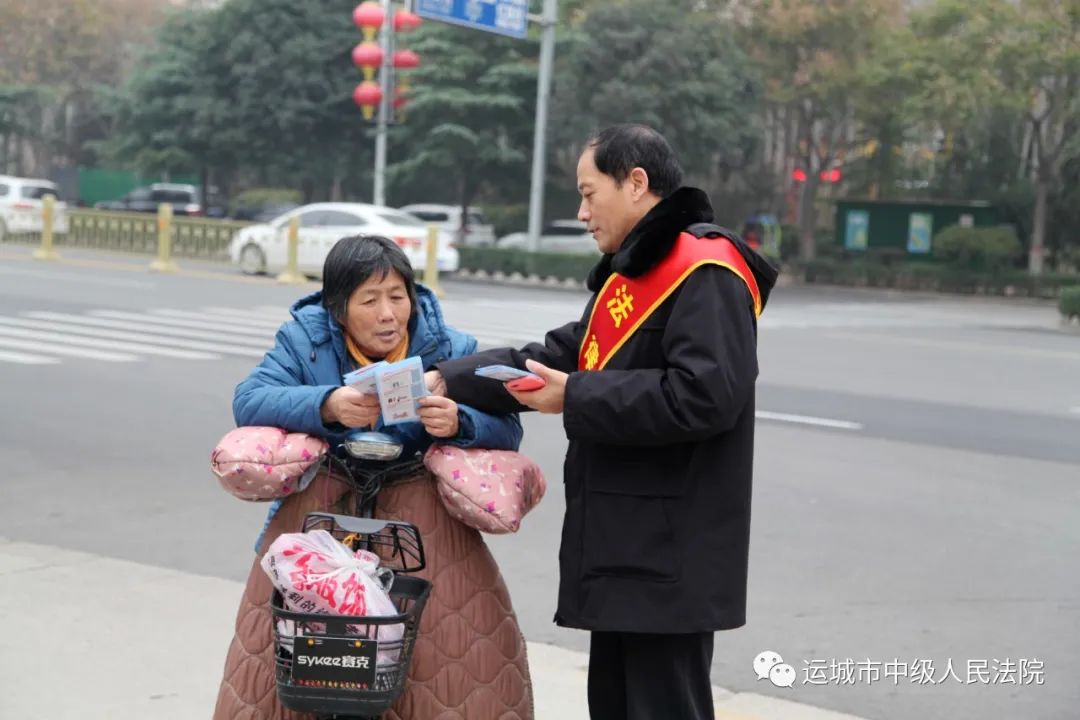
506,17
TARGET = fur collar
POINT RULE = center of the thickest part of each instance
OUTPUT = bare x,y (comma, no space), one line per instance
654,236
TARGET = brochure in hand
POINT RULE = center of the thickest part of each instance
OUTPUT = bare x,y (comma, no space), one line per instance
399,386
363,379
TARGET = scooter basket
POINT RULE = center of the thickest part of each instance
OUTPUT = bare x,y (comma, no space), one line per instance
359,671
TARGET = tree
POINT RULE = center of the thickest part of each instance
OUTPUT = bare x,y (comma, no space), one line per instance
1041,57
468,122
254,87
818,60
674,68
161,124
56,55
1012,70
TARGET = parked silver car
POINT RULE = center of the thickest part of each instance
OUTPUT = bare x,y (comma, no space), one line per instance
561,236
478,231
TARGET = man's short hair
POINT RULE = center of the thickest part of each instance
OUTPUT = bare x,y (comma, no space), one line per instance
621,148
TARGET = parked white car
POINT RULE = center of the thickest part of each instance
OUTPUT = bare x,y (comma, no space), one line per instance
264,247
478,233
21,202
560,236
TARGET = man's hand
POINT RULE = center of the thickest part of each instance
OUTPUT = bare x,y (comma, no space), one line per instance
351,408
548,399
435,382
439,416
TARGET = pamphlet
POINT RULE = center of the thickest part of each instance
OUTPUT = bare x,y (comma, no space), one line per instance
399,386
363,379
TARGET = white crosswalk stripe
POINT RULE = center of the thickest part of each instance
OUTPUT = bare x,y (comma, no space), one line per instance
71,340
206,323
52,348
152,329
279,316
26,358
252,321
201,350
40,337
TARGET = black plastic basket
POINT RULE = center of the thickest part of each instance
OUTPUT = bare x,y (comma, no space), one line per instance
362,693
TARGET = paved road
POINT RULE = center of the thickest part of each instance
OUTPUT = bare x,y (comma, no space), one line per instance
916,492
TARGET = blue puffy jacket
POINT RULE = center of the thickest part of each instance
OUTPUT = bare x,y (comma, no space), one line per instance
308,360
288,387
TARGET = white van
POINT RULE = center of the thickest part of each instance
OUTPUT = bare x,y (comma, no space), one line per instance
21,206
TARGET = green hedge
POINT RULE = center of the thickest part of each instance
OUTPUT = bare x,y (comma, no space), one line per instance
983,249
556,265
1069,301
934,277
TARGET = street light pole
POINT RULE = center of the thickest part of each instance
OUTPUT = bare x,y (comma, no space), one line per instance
379,194
543,91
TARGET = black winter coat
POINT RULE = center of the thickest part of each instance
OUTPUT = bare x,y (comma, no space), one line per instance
661,443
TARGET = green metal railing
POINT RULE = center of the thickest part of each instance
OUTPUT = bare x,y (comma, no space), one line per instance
192,237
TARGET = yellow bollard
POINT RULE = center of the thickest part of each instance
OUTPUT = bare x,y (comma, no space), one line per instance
48,212
292,274
164,261
431,267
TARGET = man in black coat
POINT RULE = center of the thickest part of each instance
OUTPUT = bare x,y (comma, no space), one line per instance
656,387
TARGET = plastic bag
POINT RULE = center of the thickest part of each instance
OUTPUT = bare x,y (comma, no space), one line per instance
315,573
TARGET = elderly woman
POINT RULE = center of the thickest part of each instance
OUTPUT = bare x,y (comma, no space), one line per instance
469,660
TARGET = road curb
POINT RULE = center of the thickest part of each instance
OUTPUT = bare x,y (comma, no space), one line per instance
517,279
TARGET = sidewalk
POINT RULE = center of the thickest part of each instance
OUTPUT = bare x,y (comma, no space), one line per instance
92,638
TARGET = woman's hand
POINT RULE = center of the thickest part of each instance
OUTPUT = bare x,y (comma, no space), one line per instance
351,408
439,416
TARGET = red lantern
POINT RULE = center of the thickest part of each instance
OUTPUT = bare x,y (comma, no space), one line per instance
369,17
367,56
400,99
405,21
367,95
406,59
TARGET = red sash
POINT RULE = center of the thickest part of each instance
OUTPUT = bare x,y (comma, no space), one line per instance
623,304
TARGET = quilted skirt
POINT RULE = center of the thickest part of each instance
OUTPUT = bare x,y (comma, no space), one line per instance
469,660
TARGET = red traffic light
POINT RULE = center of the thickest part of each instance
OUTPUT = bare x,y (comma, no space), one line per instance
830,176
798,175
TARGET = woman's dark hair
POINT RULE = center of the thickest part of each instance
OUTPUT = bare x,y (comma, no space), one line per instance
354,260
621,148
